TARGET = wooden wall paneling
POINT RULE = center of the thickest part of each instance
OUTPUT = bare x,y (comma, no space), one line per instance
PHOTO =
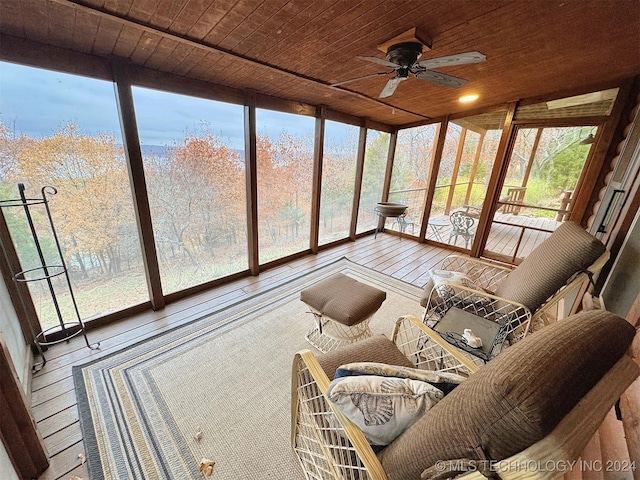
18,431
120,7
293,28
162,53
167,12
185,19
300,57
107,36
498,173
630,399
357,189
62,24
13,19
145,47
277,22
316,187
36,14
341,35
34,54
86,26
142,10
135,168
243,21
341,117
210,18
593,177
251,171
432,178
127,41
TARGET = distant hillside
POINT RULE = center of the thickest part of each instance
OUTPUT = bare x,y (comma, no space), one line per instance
161,150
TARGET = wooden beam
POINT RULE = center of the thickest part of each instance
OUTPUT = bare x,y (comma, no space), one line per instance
135,168
386,187
591,175
357,189
251,172
532,157
498,174
474,169
316,187
456,168
433,177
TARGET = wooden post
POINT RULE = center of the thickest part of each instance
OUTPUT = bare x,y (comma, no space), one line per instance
357,190
532,157
316,187
474,168
433,177
456,167
135,167
251,172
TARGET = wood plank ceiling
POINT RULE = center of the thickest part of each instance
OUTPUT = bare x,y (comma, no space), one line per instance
294,49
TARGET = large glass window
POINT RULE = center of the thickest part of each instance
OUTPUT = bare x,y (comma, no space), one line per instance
338,180
193,152
285,174
467,160
409,180
63,131
538,191
375,163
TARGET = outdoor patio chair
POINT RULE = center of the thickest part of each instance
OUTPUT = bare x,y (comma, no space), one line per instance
461,223
536,404
520,299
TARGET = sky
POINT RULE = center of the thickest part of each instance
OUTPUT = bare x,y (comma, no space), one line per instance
38,102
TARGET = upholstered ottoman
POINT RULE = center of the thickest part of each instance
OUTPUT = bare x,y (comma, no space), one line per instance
342,308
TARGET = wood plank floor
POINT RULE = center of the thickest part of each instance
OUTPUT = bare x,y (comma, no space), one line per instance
53,396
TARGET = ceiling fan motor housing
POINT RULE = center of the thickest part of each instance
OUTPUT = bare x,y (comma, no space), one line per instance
404,54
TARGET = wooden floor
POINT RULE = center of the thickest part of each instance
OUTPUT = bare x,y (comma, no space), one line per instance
53,396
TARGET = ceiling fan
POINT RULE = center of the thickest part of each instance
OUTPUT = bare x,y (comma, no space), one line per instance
403,59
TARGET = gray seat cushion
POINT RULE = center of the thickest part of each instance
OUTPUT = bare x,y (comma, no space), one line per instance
569,249
514,400
377,348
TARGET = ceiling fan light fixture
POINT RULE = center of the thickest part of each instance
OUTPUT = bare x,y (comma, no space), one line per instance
472,97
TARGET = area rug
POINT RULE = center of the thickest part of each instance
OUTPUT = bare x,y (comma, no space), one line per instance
217,388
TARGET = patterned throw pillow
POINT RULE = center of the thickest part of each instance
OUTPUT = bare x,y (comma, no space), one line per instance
382,407
444,381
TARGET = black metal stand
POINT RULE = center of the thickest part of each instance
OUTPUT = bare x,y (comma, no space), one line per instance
65,330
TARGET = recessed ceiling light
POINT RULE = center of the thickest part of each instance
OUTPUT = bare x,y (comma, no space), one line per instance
469,98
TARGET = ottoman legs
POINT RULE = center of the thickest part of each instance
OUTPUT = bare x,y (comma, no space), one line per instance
327,334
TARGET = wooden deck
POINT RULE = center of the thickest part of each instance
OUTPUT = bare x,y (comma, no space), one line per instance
53,396
504,236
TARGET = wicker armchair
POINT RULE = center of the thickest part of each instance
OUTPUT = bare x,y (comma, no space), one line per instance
469,431
521,299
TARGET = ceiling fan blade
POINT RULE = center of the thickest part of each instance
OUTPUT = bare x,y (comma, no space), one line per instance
359,78
459,59
441,78
391,86
380,61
